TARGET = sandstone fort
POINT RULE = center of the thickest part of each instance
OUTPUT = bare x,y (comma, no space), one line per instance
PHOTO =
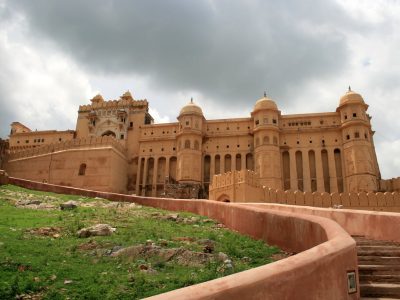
116,147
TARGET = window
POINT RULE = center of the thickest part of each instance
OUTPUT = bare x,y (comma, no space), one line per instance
265,121
347,137
42,140
196,145
275,139
357,135
345,117
59,139
266,140
187,144
27,141
82,169
187,123
257,122
131,124
274,121
122,136
354,115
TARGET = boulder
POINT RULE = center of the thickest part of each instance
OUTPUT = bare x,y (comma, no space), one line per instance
96,230
68,205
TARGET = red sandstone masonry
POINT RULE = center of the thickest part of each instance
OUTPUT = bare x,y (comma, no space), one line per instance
318,272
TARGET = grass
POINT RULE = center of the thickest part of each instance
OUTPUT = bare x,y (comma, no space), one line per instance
56,267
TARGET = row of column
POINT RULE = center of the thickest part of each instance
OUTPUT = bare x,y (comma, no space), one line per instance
326,174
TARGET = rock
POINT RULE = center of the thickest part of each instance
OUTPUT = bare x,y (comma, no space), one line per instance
222,256
53,277
208,245
96,230
171,217
66,281
68,205
163,242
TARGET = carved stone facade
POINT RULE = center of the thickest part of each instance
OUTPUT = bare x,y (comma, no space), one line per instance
325,152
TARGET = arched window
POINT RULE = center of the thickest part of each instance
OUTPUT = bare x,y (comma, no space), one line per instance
82,169
275,140
196,145
187,144
266,140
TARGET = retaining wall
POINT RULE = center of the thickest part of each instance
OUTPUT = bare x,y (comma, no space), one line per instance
318,271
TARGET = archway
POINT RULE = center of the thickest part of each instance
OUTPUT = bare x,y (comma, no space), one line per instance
223,198
109,133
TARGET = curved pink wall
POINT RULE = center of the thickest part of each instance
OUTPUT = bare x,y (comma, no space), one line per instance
319,271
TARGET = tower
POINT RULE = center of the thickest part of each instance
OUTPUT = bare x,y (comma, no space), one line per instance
266,142
360,165
189,141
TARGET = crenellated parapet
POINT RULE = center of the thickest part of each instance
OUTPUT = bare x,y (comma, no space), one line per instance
228,179
115,104
90,142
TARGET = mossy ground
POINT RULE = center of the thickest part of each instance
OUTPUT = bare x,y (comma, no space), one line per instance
49,267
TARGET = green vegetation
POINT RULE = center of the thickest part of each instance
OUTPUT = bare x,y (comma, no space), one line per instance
41,254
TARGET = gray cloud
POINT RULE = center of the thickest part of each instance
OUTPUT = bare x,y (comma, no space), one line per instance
227,50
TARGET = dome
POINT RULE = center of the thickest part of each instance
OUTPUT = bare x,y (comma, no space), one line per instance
351,97
97,98
265,103
191,108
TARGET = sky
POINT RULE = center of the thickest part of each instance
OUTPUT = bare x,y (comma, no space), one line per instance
56,55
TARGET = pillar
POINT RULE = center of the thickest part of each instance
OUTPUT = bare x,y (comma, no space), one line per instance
154,183
293,170
144,177
332,171
306,172
319,171
138,179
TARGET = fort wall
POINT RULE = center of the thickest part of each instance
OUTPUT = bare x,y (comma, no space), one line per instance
96,163
319,271
223,186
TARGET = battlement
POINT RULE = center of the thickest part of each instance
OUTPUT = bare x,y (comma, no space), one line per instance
90,142
249,177
113,104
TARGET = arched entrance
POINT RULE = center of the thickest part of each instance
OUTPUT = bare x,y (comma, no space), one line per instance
109,133
223,198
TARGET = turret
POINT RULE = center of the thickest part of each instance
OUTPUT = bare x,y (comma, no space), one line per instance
361,173
266,142
189,141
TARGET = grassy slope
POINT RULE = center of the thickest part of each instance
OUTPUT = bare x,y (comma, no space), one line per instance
38,264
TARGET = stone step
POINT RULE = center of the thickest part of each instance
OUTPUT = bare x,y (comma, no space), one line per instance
380,290
379,298
380,278
379,269
382,252
379,260
378,243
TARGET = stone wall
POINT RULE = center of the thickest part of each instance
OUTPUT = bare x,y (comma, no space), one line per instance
235,187
319,271
390,185
95,163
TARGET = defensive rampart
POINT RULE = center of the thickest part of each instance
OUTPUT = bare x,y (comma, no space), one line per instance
235,186
319,271
92,142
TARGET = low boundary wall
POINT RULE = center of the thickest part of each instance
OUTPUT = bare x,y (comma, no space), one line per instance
319,271
371,224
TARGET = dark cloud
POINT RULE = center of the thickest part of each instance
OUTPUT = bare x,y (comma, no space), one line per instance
227,50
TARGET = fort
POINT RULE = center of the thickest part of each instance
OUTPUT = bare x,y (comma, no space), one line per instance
299,168
116,147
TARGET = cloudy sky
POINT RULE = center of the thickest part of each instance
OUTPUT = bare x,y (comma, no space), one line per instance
56,55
